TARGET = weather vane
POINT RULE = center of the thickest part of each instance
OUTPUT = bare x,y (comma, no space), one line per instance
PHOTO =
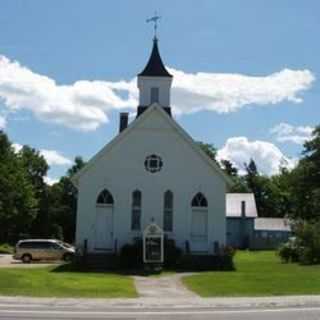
154,19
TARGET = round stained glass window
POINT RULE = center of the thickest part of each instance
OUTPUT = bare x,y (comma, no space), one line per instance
153,163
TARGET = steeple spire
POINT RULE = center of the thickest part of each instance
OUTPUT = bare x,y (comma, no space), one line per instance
154,82
155,66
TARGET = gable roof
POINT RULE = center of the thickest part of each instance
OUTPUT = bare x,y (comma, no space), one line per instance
155,66
155,107
233,205
272,224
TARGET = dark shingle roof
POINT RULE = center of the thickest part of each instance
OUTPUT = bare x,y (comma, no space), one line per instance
155,66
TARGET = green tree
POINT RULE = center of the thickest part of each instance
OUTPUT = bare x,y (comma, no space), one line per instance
208,149
36,169
63,203
266,192
17,197
305,181
35,165
229,168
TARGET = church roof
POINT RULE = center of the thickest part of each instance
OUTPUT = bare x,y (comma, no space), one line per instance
155,66
179,130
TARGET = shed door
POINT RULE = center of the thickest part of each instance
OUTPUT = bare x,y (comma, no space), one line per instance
104,228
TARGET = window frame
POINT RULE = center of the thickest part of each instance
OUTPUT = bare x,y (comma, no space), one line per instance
136,210
168,209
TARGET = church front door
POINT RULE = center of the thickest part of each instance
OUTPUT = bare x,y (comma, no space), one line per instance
104,228
199,230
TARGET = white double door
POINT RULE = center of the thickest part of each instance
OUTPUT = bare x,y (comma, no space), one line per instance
104,228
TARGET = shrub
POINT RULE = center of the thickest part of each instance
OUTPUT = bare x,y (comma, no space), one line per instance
308,236
131,255
6,249
289,251
220,262
172,253
305,247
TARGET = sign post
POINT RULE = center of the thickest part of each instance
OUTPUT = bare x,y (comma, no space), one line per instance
153,245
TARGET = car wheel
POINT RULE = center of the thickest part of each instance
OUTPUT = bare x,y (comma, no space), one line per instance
67,257
26,258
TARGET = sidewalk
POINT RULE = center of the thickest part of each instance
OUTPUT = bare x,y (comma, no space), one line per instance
163,303
167,287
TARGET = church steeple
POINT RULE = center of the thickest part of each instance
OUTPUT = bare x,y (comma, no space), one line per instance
155,66
154,82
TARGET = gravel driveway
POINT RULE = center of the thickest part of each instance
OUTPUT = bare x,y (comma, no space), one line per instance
6,260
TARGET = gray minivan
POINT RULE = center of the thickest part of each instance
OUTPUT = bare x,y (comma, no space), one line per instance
43,249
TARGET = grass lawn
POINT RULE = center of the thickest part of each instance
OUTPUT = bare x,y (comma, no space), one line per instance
45,282
6,248
257,274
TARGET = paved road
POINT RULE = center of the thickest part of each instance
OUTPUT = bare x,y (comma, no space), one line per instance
46,312
25,312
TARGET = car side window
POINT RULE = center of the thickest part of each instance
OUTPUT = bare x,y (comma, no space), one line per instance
55,246
24,245
43,245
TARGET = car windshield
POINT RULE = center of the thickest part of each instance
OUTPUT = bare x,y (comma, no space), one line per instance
66,245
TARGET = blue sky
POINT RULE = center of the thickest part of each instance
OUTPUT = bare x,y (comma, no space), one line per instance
271,47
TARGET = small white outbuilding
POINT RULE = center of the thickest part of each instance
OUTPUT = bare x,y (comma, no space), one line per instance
151,172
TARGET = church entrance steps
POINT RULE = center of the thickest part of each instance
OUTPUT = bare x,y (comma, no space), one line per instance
163,287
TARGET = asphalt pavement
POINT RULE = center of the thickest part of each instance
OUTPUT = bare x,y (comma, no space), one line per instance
307,313
292,308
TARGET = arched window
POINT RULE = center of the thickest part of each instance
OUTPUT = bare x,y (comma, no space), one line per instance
136,210
199,200
168,211
105,198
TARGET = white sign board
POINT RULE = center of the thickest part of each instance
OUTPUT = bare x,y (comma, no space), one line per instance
153,244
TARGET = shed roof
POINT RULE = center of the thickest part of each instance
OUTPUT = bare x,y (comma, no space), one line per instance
233,205
272,224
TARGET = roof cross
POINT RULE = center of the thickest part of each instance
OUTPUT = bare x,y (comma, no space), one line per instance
154,19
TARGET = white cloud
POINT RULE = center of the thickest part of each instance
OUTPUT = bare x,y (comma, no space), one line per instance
3,122
268,157
82,105
53,157
50,181
225,93
285,132
85,105
17,147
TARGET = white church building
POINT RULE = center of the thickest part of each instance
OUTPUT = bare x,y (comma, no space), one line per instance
151,172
